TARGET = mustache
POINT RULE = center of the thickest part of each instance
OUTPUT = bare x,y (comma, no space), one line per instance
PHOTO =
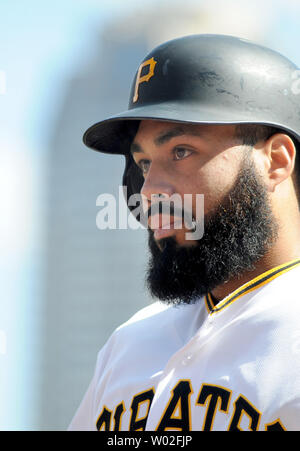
164,208
172,211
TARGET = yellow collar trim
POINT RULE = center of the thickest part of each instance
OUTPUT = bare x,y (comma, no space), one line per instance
252,285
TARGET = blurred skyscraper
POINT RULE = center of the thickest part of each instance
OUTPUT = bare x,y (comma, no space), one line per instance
95,279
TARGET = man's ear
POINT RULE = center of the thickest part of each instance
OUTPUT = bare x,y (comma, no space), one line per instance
280,151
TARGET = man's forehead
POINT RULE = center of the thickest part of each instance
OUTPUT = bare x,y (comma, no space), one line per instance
157,126
162,131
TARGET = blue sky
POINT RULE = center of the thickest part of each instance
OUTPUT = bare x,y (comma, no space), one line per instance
37,42
40,42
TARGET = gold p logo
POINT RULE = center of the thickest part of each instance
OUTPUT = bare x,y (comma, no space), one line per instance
151,63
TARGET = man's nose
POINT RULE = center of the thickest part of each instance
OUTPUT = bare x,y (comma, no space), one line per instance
158,185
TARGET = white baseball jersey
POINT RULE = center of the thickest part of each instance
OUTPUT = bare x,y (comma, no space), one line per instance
233,366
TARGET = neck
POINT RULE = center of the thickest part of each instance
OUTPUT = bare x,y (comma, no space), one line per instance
286,248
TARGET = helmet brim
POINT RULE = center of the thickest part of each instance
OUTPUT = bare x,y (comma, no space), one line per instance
114,135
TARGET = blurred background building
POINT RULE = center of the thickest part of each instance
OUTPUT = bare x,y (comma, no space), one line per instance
66,284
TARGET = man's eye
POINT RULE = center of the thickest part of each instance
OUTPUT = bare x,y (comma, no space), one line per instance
181,152
144,165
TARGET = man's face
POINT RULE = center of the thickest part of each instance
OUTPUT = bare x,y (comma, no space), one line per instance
238,222
185,159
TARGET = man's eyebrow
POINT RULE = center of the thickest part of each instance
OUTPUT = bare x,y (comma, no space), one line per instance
164,137
135,148
173,133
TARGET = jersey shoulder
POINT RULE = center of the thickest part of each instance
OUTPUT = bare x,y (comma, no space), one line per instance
149,312
157,328
159,320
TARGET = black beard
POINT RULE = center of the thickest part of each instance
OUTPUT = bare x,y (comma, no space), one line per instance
237,234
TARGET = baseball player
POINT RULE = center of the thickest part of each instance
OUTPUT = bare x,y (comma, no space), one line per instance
219,349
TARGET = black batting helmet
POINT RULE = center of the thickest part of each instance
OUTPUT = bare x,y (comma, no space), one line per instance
203,79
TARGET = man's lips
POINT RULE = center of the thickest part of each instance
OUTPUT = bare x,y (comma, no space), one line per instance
160,221
164,226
